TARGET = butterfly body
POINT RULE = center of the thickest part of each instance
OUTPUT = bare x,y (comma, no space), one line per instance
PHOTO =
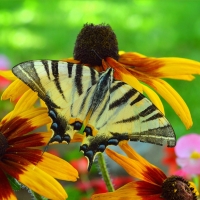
107,111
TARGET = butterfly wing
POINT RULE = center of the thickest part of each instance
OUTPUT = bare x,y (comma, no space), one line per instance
107,111
60,85
128,116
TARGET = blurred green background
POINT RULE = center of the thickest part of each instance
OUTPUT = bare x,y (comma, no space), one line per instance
47,29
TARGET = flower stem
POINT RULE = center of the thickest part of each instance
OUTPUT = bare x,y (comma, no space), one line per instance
105,174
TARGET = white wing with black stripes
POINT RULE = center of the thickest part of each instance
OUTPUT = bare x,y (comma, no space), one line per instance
105,110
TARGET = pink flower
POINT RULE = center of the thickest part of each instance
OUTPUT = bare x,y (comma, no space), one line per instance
188,153
4,65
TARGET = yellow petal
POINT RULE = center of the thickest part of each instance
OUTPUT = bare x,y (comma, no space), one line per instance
57,167
42,183
8,75
11,197
131,153
10,92
177,66
182,77
24,103
174,99
130,80
40,120
154,98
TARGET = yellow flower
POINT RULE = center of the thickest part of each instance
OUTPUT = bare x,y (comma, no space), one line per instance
21,158
153,183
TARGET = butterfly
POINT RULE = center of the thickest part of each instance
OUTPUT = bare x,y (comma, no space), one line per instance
105,110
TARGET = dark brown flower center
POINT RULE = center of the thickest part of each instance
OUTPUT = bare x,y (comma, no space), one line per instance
3,144
94,43
177,188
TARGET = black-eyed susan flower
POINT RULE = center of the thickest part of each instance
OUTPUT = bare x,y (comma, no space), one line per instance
21,158
153,184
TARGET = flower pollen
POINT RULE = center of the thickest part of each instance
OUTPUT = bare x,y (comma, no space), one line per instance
177,188
94,43
195,155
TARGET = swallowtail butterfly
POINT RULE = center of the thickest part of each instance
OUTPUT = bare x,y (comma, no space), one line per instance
107,111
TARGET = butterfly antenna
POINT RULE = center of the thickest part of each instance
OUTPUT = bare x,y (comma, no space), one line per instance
97,54
103,61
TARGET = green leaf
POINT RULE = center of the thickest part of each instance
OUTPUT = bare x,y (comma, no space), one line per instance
16,186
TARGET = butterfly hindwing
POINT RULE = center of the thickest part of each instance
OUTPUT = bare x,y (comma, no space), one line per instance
129,116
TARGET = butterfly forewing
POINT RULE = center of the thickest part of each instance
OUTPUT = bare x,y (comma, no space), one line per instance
61,85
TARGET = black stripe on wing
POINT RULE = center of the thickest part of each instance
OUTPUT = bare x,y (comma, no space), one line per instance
93,78
69,67
156,116
78,79
137,99
54,66
46,67
148,110
122,100
116,86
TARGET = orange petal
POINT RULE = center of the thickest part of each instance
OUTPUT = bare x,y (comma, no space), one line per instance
161,67
52,165
127,192
137,190
143,171
77,138
71,60
120,73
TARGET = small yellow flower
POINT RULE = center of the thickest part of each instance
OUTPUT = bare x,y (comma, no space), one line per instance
153,183
21,158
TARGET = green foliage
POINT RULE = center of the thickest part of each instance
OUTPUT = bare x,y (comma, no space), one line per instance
14,183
